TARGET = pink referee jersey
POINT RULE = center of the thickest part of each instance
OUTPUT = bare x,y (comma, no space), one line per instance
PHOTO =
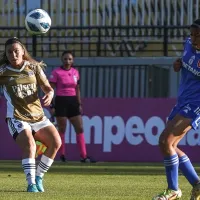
65,80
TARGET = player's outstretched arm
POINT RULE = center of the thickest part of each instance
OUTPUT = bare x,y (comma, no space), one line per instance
49,93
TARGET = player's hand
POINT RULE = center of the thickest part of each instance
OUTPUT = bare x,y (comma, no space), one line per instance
177,65
47,98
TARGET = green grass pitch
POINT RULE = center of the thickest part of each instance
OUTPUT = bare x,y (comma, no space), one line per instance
74,181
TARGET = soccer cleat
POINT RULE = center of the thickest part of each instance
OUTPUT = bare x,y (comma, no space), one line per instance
195,193
169,195
39,183
87,160
32,188
62,158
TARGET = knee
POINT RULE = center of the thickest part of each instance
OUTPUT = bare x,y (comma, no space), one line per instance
61,128
164,145
56,143
79,129
175,147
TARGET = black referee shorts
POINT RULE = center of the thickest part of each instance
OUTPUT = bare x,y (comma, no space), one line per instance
66,106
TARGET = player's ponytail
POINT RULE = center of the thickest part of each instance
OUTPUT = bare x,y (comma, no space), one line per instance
3,60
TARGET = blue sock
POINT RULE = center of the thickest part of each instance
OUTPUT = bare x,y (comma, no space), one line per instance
188,170
171,168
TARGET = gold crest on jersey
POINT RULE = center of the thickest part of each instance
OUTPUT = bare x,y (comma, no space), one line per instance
30,73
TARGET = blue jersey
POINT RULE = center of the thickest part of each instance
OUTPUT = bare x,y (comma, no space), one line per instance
188,104
189,89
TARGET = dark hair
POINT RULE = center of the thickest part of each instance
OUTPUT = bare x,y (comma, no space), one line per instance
196,24
67,52
27,56
12,41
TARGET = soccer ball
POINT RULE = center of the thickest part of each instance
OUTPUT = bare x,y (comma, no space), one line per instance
37,22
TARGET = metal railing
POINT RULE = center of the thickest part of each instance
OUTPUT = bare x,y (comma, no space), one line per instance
124,77
102,41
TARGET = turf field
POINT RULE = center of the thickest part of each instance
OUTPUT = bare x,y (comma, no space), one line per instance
75,180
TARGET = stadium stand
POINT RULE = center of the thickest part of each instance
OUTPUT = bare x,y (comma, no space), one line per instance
118,13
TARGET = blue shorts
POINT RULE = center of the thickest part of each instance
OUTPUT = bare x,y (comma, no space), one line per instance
189,111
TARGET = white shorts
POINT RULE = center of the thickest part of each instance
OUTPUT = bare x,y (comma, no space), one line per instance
16,126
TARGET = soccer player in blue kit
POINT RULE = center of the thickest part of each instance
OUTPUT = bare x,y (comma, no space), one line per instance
183,117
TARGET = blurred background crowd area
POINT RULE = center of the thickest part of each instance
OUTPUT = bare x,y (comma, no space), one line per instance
103,27
129,45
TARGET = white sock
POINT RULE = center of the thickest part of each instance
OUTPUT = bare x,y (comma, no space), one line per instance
43,166
28,165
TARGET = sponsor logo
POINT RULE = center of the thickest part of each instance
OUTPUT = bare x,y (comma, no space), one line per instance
24,90
191,69
110,131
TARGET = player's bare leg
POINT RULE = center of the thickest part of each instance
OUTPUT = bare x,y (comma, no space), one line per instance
50,138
